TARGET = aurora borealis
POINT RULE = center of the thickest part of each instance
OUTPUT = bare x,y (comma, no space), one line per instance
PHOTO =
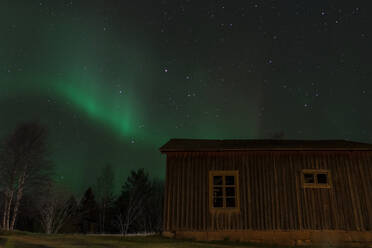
114,80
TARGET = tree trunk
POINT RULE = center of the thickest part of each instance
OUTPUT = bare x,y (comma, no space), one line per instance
48,226
126,227
21,182
4,212
6,202
46,218
8,207
103,217
121,224
3,220
15,211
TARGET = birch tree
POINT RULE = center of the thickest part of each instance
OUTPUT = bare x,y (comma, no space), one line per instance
23,166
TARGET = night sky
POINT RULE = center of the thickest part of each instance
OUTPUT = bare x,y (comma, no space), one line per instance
114,80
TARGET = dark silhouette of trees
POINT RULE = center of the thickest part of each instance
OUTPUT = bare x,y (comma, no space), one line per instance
104,191
55,208
30,200
24,167
139,206
72,222
131,202
28,194
28,216
152,218
88,213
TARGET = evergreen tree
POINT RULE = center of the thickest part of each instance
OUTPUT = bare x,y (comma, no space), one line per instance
132,201
88,213
104,188
154,208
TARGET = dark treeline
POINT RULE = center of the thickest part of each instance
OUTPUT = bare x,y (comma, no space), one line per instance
31,201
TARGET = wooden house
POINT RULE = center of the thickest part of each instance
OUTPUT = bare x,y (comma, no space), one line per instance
273,191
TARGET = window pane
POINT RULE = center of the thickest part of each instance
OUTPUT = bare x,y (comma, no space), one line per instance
230,202
217,203
230,191
322,178
230,180
309,178
217,180
217,192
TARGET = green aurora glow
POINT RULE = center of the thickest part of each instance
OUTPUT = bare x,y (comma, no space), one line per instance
114,80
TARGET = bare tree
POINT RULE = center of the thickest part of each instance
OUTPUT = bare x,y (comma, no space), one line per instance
23,166
104,194
55,208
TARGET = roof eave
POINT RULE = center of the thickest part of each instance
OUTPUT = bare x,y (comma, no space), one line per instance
266,149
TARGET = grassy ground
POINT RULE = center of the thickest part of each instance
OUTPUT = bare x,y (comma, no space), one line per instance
31,240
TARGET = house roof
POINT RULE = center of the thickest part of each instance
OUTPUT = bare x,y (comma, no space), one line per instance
175,145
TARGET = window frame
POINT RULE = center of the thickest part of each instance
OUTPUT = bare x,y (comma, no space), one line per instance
224,173
315,185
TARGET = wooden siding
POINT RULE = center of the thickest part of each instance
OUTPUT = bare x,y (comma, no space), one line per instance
271,194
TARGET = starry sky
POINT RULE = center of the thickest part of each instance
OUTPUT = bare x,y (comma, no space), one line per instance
113,80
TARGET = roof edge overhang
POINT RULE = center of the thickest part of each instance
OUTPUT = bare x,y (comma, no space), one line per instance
246,145
267,149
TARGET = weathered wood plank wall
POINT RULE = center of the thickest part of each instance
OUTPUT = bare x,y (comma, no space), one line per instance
271,195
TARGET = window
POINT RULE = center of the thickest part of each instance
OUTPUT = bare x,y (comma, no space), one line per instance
316,179
224,190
